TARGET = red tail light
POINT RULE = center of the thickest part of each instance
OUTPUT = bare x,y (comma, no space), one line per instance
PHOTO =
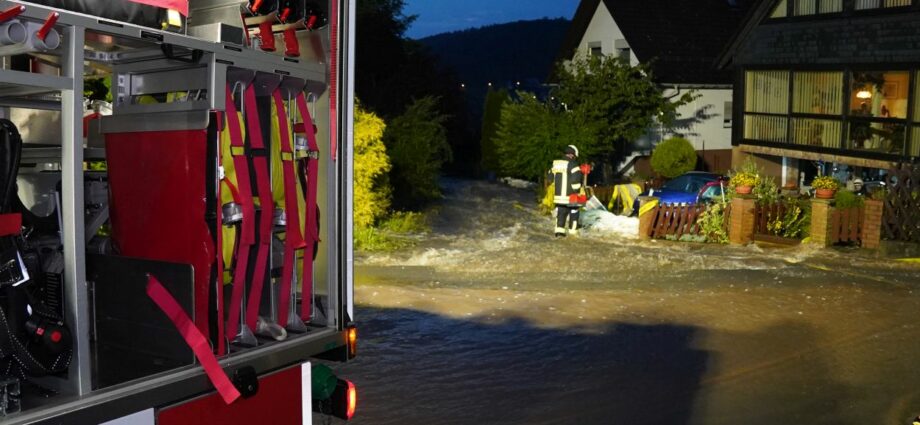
352,397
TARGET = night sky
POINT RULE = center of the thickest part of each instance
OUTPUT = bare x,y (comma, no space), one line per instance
437,16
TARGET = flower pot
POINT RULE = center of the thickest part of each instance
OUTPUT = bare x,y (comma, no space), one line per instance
744,190
825,193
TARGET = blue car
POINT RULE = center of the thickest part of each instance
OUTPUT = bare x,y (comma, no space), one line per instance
689,188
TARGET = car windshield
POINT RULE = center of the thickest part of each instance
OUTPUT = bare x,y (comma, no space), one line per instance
688,183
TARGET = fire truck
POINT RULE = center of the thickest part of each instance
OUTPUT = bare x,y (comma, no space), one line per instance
175,211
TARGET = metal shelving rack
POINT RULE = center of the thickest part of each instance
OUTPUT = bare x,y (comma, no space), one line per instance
133,52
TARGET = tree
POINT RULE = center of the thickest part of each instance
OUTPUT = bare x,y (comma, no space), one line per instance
392,71
673,157
491,115
531,134
621,101
417,144
372,194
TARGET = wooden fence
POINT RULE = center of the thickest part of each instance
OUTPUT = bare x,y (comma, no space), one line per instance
847,225
901,217
678,220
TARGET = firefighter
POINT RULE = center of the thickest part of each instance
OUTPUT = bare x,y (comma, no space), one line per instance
567,177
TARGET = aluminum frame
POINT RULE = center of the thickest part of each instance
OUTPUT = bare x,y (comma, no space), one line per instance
79,403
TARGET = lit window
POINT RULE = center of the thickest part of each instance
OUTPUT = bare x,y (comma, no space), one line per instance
818,93
766,103
780,10
767,92
877,4
814,132
812,7
879,94
877,137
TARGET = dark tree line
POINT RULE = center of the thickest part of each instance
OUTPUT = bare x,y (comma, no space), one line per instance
397,76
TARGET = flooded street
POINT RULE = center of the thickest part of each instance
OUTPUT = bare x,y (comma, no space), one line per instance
490,320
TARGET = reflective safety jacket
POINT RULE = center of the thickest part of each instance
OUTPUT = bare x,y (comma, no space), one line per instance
567,178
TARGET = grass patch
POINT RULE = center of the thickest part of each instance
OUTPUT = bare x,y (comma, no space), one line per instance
392,233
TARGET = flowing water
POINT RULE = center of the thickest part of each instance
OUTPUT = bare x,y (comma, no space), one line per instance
490,320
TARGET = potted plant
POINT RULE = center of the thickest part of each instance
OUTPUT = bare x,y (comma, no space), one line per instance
825,187
744,182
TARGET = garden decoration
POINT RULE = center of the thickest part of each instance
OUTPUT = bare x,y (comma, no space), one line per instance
744,182
825,187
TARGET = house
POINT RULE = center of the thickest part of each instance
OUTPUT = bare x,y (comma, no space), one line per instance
681,40
829,84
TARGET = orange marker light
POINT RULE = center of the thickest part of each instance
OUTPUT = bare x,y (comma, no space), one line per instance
352,342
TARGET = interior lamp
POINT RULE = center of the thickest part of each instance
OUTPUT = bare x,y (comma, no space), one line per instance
864,94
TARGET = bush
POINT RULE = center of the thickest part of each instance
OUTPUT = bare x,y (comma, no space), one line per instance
796,221
674,157
847,199
372,195
417,144
405,222
712,223
531,134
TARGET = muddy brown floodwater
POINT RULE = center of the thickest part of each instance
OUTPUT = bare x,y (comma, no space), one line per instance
489,320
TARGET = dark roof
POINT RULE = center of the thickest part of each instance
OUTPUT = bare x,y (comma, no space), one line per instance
682,38
758,13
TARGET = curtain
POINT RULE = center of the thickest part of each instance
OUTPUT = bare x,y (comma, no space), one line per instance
767,92
818,93
766,128
812,132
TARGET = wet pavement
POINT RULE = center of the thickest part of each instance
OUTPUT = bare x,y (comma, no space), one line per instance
489,320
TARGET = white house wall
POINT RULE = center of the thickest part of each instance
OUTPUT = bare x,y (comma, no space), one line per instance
703,120
604,30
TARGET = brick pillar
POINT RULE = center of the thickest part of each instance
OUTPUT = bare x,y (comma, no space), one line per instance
872,224
741,226
646,220
821,222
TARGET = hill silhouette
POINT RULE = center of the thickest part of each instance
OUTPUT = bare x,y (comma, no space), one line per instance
503,54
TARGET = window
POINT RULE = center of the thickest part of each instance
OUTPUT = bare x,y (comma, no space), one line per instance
621,47
879,94
878,108
818,93
812,7
767,92
877,4
766,104
914,148
594,48
816,132
780,10
860,110
727,114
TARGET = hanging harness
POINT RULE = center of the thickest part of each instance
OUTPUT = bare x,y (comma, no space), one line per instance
310,161
293,239
266,204
243,197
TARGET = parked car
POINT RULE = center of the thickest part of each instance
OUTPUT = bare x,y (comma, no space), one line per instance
689,188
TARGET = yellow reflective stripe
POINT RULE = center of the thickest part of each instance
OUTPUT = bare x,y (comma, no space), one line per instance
237,151
287,156
650,205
